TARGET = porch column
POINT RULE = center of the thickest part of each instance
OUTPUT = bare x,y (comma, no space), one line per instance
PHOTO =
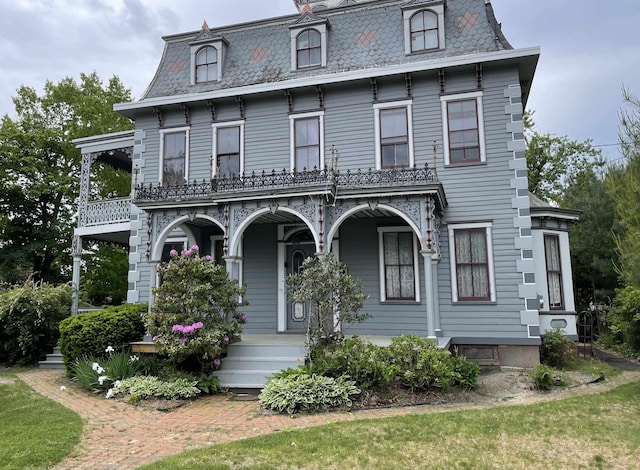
85,184
436,299
153,281
427,256
233,267
75,279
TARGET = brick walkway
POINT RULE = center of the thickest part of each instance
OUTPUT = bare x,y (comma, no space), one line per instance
121,436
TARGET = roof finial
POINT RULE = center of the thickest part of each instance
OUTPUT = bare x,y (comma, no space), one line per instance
205,26
307,8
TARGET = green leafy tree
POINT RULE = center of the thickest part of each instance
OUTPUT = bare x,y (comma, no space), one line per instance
336,298
593,254
624,184
39,168
553,162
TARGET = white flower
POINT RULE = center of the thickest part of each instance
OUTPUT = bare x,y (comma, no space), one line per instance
109,349
134,358
63,388
95,366
110,394
116,384
102,378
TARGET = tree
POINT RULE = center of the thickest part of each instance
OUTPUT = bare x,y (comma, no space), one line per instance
39,168
593,254
625,187
336,298
553,162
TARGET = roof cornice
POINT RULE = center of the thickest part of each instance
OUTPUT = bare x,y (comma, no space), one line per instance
531,54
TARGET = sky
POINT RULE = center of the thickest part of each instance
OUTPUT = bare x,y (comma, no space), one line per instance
589,49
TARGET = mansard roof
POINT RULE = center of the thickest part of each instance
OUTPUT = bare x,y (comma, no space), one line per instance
363,36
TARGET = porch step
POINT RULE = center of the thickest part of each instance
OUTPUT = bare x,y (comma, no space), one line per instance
250,363
53,360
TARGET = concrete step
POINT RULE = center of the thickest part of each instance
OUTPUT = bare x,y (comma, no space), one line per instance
51,364
244,379
241,349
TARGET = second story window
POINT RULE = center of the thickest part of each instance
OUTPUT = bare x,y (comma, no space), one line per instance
309,49
228,149
394,138
206,65
307,141
424,31
307,144
394,135
174,152
463,132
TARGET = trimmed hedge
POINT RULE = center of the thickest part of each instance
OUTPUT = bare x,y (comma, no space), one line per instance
88,334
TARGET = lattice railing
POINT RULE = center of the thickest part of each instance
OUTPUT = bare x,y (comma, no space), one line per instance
111,211
281,180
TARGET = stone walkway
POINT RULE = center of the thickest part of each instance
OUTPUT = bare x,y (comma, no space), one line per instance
122,436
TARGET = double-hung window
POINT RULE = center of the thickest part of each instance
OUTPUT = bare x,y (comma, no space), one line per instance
463,128
398,264
228,146
394,135
471,262
554,271
307,142
174,151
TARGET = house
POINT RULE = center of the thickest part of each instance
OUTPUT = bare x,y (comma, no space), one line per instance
387,132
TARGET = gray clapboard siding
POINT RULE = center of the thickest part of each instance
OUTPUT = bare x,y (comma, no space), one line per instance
260,277
359,251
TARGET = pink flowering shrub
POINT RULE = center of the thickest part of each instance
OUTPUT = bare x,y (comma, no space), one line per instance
196,309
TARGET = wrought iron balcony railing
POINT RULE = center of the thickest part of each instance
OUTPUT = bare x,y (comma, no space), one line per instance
324,180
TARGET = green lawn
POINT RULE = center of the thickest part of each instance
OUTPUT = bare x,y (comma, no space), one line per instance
596,431
35,432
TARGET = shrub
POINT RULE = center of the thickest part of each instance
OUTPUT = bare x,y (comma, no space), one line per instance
98,375
29,320
545,377
367,364
557,350
307,392
195,313
145,387
207,384
420,366
86,334
624,318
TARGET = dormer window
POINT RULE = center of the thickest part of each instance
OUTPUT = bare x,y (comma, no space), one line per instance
308,42
423,28
206,64
309,49
424,31
207,58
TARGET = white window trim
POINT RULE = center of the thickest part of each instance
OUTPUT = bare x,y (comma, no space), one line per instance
445,123
438,9
567,273
174,130
416,265
408,104
212,240
218,44
292,136
214,149
452,259
295,32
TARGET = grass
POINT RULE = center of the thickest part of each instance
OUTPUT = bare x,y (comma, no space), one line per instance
589,432
35,432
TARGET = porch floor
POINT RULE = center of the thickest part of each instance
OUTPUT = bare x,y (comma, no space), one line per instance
295,339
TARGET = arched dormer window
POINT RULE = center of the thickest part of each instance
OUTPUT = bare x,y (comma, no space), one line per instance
424,31
206,64
423,28
308,49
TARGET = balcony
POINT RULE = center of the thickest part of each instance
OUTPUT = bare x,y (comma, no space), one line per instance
332,184
106,212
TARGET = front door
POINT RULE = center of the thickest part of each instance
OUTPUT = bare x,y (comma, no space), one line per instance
297,312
